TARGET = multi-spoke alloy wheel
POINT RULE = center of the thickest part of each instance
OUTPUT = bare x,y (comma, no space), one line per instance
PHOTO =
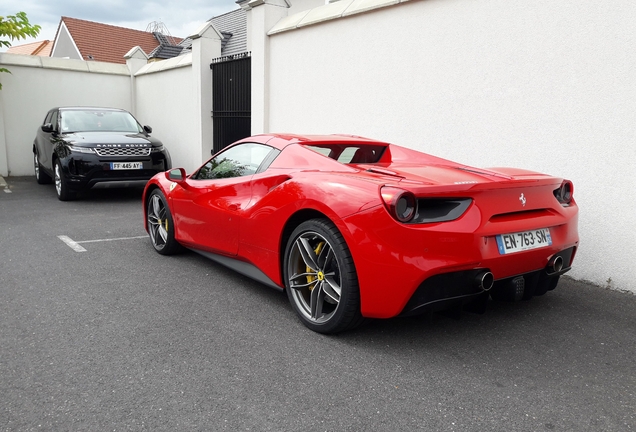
63,193
160,226
320,278
40,176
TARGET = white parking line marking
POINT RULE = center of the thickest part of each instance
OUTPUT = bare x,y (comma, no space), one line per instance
75,245
72,244
113,239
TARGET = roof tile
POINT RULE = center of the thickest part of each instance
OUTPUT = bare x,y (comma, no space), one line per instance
41,48
105,42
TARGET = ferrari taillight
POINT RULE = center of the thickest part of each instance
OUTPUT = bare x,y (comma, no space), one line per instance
564,193
401,204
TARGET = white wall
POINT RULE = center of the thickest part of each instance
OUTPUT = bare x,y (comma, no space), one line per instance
164,98
37,84
164,101
544,85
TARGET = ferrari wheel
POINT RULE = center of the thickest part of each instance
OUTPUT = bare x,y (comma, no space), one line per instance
160,225
320,278
63,192
40,176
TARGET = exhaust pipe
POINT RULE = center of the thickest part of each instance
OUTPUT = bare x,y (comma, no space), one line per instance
484,280
555,265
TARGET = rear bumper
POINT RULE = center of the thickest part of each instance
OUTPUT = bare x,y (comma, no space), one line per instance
455,289
404,268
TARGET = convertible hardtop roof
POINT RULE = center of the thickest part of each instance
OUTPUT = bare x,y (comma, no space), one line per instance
282,140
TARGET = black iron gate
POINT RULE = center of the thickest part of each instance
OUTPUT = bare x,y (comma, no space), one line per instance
231,99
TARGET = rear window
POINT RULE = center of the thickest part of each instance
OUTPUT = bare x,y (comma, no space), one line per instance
350,153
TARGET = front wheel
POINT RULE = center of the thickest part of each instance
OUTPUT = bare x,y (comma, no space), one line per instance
63,192
40,176
160,224
320,278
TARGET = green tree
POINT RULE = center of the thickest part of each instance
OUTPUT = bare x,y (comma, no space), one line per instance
16,27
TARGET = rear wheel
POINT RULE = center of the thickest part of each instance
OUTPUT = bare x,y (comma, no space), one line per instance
63,192
320,278
161,225
40,176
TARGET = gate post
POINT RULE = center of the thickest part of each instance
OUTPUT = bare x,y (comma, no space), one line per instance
136,58
206,45
262,16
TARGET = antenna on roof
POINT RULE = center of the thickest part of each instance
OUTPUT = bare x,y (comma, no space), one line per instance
159,27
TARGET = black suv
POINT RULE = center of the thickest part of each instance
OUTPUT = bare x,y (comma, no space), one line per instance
81,147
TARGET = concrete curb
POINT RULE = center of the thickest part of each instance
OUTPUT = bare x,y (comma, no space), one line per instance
3,184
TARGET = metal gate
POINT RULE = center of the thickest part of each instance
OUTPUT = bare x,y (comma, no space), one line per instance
231,99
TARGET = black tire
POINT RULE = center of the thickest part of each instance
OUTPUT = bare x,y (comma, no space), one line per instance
40,176
161,225
62,189
320,278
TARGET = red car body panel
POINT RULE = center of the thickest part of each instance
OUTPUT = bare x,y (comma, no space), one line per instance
246,217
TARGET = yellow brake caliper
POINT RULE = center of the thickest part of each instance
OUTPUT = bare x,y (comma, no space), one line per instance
319,276
160,223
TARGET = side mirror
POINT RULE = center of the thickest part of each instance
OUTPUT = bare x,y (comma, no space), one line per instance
177,175
147,129
47,127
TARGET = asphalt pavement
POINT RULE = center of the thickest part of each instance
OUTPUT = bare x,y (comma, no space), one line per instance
98,332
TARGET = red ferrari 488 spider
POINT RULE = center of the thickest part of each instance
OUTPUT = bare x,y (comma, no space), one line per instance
351,227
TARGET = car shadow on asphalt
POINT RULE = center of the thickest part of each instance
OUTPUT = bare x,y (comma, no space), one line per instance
27,185
114,194
564,313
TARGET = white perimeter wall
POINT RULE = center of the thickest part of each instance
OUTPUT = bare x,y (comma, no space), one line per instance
164,100
545,85
164,97
37,84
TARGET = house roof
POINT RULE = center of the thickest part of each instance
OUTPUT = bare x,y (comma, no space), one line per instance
105,42
233,27
41,48
166,49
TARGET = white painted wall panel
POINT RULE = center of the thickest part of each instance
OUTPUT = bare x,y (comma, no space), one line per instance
29,92
166,101
544,85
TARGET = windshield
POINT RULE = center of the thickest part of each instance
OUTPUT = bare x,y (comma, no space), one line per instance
94,120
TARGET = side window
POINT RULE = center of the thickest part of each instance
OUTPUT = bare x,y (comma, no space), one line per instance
54,121
47,119
237,161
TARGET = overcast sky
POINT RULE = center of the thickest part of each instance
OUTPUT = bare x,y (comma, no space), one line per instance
181,18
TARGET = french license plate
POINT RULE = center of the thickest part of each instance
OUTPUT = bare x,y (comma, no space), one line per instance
522,241
126,165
